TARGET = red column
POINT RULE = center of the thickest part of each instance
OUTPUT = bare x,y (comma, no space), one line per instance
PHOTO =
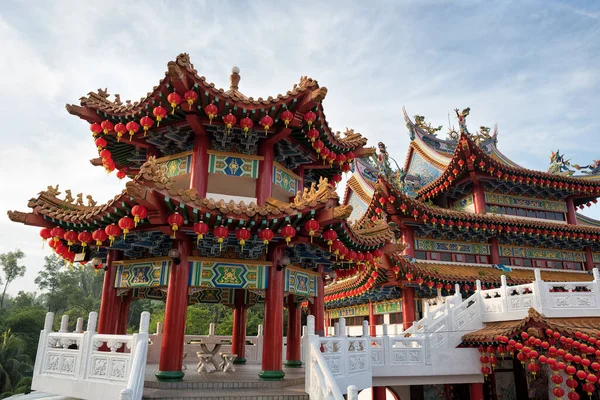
494,251
171,350
379,392
589,259
238,332
479,198
327,323
125,302
273,339
110,303
199,170
408,237
265,173
476,391
292,355
317,308
571,216
408,307
372,320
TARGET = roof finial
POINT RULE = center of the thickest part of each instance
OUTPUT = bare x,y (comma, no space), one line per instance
234,78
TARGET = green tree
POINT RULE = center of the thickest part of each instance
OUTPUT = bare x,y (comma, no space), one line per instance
49,279
23,300
11,268
27,322
14,365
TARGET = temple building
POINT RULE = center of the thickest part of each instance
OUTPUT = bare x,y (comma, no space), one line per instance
431,280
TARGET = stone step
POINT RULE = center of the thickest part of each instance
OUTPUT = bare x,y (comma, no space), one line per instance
288,393
232,384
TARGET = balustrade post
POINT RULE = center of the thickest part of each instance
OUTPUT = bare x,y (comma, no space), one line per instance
211,329
87,348
64,324
352,392
504,293
365,328
336,329
596,284
384,329
539,294
79,325
159,328
43,343
343,331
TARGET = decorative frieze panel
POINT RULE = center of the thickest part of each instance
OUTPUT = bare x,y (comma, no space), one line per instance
525,202
285,179
233,165
300,282
548,254
467,201
453,247
228,274
354,311
171,167
142,273
388,307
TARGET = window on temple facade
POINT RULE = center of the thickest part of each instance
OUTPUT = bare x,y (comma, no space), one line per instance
524,212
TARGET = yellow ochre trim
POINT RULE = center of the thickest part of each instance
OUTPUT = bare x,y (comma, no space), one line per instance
173,157
238,155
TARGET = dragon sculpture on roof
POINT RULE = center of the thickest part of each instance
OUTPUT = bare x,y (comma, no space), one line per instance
560,166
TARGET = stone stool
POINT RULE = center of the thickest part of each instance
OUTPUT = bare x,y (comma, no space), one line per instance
227,363
205,360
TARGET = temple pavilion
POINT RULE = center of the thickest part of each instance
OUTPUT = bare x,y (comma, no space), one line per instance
230,199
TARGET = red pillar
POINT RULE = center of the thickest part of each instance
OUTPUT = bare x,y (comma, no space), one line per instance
327,323
171,350
408,307
571,216
292,356
408,237
494,251
265,173
317,308
372,320
272,352
199,170
110,303
479,198
589,259
379,393
125,302
476,391
238,334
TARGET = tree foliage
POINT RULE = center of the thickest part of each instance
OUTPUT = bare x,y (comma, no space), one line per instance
14,364
11,269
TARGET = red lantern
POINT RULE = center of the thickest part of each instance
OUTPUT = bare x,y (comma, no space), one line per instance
266,123
221,233
266,235
318,146
485,371
310,117
132,127
191,97
337,247
246,124
121,174
139,213
420,281
286,116
588,388
330,236
96,129
126,224
581,374
377,254
201,229
409,276
288,233
211,111
174,99
99,236
242,235
113,231
146,123
71,238
175,220
57,233
85,238
160,113
341,159
107,126
229,121
45,234
312,134
100,143
312,227
120,129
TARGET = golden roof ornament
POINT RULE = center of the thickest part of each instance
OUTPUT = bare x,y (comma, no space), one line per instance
420,123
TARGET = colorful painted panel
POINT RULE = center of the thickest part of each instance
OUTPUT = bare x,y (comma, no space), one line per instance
223,274
359,207
142,274
300,282
423,170
354,311
153,293
467,201
285,180
233,165
596,258
366,171
454,247
525,202
388,307
176,166
211,295
548,254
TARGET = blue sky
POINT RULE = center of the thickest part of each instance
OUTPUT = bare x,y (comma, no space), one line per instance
533,67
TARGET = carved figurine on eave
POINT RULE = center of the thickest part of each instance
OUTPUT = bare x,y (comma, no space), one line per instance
592,169
396,177
420,123
462,119
558,164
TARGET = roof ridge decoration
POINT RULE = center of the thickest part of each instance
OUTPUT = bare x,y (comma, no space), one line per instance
560,166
